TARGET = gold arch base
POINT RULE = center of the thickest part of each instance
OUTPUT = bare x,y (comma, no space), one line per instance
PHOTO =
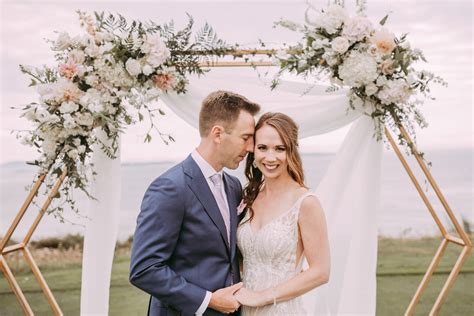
462,241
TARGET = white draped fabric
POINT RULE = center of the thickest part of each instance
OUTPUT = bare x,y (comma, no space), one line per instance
101,232
348,191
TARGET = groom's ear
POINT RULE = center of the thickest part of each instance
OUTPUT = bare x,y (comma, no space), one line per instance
216,133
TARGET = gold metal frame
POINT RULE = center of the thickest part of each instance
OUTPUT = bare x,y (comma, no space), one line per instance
23,247
462,241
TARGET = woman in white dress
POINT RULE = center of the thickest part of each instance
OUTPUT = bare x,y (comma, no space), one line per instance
284,223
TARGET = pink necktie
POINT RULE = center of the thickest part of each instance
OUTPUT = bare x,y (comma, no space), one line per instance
216,179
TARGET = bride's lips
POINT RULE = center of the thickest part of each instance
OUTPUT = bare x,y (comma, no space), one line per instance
270,167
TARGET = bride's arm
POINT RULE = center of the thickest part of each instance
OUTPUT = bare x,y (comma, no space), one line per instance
312,224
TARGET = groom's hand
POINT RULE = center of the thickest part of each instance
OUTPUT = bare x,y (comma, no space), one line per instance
223,300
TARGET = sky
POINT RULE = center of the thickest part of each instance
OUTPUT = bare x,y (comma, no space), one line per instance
442,29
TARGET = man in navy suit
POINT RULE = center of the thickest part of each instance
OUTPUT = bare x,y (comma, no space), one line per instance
184,248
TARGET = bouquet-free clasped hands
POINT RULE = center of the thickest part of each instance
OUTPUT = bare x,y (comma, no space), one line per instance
255,298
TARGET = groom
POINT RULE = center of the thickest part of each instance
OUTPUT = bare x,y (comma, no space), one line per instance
184,248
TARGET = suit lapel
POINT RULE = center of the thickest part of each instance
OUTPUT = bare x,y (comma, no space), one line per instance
229,190
201,190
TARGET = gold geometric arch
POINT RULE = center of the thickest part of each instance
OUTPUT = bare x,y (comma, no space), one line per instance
23,247
462,241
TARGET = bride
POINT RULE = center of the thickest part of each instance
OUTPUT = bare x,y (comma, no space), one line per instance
284,224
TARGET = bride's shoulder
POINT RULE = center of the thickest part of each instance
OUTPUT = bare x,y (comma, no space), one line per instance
309,202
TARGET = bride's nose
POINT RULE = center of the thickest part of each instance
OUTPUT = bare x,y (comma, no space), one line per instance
270,157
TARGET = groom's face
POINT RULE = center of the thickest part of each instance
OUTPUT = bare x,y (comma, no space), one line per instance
238,142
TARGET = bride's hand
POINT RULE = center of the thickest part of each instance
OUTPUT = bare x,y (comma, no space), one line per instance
250,298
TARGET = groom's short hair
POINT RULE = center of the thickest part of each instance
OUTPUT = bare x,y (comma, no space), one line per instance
223,107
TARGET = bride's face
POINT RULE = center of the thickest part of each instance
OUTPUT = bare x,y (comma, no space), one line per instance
270,153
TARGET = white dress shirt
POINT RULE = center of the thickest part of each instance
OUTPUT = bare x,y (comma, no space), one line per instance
208,171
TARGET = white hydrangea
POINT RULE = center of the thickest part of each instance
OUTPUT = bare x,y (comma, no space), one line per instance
68,107
156,49
358,69
356,28
331,19
394,91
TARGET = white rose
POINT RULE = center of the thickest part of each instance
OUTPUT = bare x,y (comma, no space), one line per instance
330,58
356,28
147,69
92,80
133,67
370,89
62,42
42,115
340,44
69,122
73,154
81,149
153,42
381,81
358,69
76,142
68,107
387,67
84,119
159,57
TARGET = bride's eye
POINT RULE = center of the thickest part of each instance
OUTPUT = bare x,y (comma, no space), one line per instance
261,147
280,149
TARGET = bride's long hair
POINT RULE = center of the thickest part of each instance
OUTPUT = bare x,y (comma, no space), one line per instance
288,131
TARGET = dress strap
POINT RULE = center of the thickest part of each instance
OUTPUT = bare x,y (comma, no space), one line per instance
301,199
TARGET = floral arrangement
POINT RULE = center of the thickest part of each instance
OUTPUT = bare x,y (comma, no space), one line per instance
106,78
376,65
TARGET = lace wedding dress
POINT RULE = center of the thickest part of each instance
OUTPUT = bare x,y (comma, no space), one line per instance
270,259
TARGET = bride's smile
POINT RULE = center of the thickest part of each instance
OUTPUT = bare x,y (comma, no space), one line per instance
270,153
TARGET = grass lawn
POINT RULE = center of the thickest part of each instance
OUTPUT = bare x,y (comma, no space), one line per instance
401,265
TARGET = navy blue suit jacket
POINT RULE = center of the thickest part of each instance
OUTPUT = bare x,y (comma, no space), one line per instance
180,248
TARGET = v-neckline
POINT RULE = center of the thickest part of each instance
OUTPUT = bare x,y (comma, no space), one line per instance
254,233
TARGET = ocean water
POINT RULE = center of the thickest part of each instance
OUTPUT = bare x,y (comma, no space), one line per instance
402,213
